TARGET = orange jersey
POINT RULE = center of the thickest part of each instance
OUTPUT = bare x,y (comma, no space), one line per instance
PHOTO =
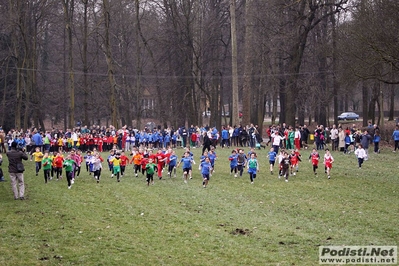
137,158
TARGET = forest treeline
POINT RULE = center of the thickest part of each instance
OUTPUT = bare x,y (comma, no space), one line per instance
121,61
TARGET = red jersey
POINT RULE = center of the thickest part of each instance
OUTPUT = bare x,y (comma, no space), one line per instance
294,159
328,160
314,156
159,158
124,160
58,161
143,162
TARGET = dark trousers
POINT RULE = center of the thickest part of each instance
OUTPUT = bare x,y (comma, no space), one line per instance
240,168
38,166
46,175
69,177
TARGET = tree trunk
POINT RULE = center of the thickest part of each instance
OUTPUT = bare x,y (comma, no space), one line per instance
110,64
247,92
69,6
85,64
234,113
365,99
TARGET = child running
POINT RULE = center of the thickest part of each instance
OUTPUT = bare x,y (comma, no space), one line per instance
38,155
253,167
241,161
109,160
314,158
116,163
285,166
294,162
124,161
272,159
46,162
360,154
150,170
233,162
137,157
187,162
206,169
69,166
172,164
59,161
97,166
328,161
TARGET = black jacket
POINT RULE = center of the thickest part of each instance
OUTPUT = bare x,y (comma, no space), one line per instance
15,157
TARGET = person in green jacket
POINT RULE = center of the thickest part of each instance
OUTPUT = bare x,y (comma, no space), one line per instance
69,165
291,137
150,170
46,163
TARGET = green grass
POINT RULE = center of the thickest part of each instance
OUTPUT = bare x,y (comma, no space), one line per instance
229,223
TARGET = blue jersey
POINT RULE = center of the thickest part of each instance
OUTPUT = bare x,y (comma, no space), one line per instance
206,168
172,160
233,160
202,158
212,158
186,162
272,156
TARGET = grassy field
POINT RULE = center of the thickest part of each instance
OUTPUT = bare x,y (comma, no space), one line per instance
231,222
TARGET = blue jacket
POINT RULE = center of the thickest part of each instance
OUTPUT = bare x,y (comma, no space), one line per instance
37,139
395,135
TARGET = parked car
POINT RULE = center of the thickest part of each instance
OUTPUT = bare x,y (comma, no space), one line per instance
348,116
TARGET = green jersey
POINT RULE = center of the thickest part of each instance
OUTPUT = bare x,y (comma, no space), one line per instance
46,162
68,164
150,168
253,163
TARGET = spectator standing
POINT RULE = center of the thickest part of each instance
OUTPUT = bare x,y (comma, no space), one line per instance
395,136
16,170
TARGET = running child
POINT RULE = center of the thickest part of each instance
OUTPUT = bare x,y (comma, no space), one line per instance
46,162
280,158
233,162
328,161
116,163
172,164
68,164
314,159
38,156
59,162
97,166
160,160
150,170
109,160
360,154
212,158
253,167
206,169
187,163
294,162
241,161
124,161
285,166
272,159
137,157
89,164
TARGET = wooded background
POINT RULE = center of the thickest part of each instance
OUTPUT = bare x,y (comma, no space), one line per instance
120,61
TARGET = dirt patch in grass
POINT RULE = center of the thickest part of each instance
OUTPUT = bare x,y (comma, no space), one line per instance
240,231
